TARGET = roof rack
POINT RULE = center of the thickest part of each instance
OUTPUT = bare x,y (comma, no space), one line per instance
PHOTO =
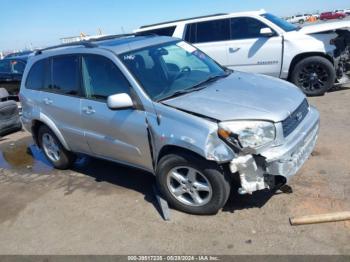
89,43
83,43
181,20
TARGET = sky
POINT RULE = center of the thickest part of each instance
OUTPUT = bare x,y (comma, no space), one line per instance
40,23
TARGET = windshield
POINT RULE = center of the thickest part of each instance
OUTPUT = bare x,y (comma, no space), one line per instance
172,68
283,24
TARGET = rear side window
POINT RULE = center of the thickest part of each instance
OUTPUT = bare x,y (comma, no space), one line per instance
35,79
65,75
165,31
209,31
102,78
191,33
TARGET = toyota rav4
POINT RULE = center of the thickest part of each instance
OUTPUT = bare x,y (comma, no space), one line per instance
162,105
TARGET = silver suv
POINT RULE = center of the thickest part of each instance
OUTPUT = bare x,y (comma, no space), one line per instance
160,104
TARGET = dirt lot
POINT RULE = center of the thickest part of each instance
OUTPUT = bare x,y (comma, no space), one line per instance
102,208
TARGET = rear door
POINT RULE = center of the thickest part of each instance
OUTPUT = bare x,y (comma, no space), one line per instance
61,99
119,135
211,37
250,51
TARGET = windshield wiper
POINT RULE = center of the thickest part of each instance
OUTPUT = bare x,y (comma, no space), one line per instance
210,79
196,87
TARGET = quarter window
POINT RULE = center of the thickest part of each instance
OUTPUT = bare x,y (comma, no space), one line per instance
102,78
65,75
246,28
35,79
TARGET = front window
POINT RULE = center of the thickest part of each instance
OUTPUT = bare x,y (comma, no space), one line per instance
283,24
172,68
246,28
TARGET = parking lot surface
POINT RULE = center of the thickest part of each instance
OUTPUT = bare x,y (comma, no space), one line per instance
103,208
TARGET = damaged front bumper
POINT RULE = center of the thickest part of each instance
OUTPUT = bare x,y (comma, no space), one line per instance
258,172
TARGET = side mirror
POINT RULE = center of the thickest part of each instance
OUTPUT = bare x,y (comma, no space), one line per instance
119,101
266,32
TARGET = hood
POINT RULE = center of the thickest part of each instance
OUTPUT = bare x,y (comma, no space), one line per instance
242,96
319,28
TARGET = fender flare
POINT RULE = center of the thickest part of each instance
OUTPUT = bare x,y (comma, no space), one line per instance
53,127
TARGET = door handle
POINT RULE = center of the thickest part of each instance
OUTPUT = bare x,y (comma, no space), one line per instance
234,50
47,101
89,110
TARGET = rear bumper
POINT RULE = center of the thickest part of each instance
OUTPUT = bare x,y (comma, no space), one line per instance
27,123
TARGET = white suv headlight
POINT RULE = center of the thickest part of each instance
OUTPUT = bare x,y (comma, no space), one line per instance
253,134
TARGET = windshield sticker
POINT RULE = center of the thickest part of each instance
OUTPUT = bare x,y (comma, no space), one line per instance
200,55
129,57
188,48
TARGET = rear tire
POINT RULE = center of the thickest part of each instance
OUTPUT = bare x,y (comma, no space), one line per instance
54,151
314,75
193,185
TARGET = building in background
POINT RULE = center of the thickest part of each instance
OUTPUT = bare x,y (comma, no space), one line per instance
81,37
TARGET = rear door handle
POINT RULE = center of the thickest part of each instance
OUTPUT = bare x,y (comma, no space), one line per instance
234,50
47,101
89,110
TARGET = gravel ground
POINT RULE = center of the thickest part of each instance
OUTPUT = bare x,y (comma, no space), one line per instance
102,208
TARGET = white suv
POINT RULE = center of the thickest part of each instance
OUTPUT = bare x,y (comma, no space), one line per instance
260,42
298,19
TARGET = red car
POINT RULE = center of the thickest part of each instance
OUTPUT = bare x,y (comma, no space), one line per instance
332,15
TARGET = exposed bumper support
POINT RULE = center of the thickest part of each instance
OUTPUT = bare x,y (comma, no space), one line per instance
284,160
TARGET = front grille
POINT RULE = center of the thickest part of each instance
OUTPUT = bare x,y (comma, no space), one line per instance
292,122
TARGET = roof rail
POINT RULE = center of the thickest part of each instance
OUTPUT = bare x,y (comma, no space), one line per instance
87,44
109,37
181,20
90,42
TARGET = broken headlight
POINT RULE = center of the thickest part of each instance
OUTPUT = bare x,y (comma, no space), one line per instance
250,134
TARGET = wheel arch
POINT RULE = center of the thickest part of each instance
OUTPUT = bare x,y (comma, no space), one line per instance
174,149
302,56
44,120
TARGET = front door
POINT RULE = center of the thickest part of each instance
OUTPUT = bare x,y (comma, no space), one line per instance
250,51
119,135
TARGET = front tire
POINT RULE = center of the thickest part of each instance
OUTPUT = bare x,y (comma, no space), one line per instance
54,151
314,75
192,185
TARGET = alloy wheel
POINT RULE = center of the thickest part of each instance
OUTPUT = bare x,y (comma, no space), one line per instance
313,77
51,147
189,186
